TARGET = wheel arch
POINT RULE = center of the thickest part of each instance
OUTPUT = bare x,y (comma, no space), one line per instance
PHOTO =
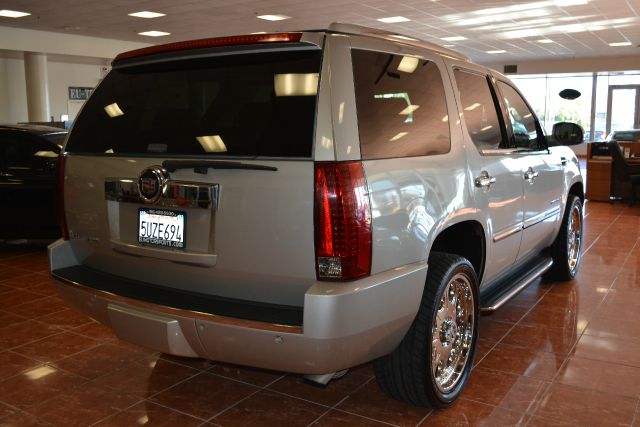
455,239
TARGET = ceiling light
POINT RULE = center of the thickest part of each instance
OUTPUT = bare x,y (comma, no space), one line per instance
273,17
397,36
616,44
545,41
454,38
394,19
408,64
449,45
147,14
154,33
494,52
13,13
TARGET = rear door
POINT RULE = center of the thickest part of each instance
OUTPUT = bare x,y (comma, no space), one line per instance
495,169
196,172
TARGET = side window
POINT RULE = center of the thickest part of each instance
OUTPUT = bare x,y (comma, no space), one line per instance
24,151
402,111
479,109
522,120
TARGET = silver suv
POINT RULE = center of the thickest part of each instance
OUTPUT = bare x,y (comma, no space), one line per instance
311,201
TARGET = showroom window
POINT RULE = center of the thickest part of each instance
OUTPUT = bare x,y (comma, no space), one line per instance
402,110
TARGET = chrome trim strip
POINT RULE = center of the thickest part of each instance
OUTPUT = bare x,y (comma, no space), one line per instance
510,151
199,259
207,317
541,217
519,287
504,234
175,194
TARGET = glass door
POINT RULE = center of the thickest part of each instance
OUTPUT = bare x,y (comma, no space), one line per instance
623,109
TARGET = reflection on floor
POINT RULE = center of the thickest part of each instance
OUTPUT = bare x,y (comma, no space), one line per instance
558,354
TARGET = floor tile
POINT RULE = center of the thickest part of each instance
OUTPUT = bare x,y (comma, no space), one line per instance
22,419
25,332
607,377
96,331
510,391
66,318
270,409
606,327
82,406
144,378
336,418
56,347
254,376
204,395
553,340
13,364
149,414
468,413
622,351
329,395
586,407
493,330
37,385
527,361
371,402
40,307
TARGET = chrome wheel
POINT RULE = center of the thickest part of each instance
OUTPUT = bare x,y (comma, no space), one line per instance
453,330
574,238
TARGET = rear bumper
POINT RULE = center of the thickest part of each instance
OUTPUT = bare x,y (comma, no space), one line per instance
344,324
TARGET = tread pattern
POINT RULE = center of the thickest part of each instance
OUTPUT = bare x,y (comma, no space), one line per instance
405,373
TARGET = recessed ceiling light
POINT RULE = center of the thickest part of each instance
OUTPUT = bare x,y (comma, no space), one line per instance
147,14
13,13
394,19
154,33
454,38
620,44
448,45
398,36
273,17
545,41
494,52
259,32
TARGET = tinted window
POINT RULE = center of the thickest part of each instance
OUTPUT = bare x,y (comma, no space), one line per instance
19,150
258,104
521,118
479,109
402,110
57,138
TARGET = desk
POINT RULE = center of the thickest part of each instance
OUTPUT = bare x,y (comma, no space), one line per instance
601,181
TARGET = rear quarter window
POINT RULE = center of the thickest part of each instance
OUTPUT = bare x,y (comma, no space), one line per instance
251,104
402,110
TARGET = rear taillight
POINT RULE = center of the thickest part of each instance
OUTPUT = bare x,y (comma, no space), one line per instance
342,216
62,222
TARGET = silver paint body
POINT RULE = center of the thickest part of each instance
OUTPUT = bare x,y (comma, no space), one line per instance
258,245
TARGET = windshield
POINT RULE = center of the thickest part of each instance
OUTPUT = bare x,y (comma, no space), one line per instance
254,104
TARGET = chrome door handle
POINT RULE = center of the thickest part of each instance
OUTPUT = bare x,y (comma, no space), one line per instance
530,175
484,180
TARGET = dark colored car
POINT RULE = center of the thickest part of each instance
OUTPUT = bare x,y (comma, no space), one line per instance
28,156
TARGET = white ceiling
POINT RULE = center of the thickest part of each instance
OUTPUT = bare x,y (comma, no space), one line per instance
578,28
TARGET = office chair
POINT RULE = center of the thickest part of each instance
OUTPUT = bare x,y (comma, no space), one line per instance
624,171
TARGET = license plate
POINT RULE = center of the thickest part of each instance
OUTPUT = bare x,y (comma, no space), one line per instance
160,227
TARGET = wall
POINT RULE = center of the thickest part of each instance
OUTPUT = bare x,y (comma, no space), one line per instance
571,65
63,71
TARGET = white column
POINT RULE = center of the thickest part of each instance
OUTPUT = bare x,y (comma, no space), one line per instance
36,76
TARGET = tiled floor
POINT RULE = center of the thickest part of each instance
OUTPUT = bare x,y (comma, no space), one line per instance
558,354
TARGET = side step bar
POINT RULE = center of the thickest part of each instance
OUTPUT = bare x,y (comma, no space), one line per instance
513,285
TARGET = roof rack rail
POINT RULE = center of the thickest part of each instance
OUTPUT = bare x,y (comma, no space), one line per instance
353,29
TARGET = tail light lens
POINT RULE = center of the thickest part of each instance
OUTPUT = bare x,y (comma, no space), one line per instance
342,215
62,222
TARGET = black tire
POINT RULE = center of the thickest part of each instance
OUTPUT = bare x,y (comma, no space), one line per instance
565,266
406,374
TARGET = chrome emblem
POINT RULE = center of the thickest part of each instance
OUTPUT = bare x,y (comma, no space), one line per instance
152,182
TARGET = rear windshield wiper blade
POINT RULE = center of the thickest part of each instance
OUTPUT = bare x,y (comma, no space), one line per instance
201,166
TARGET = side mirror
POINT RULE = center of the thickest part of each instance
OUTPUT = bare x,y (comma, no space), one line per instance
566,133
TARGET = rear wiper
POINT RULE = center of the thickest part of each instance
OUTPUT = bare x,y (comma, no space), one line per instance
201,166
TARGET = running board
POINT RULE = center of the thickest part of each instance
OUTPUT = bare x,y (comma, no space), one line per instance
528,275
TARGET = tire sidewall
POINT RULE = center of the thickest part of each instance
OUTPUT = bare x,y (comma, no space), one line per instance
574,202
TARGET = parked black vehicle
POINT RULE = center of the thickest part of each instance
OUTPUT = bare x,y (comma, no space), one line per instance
28,156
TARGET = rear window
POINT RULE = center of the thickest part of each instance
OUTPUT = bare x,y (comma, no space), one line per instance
257,105
402,111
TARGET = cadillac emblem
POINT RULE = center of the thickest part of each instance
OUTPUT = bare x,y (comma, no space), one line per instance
151,183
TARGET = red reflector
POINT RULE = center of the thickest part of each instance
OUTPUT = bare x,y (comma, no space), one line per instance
61,219
213,42
342,221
